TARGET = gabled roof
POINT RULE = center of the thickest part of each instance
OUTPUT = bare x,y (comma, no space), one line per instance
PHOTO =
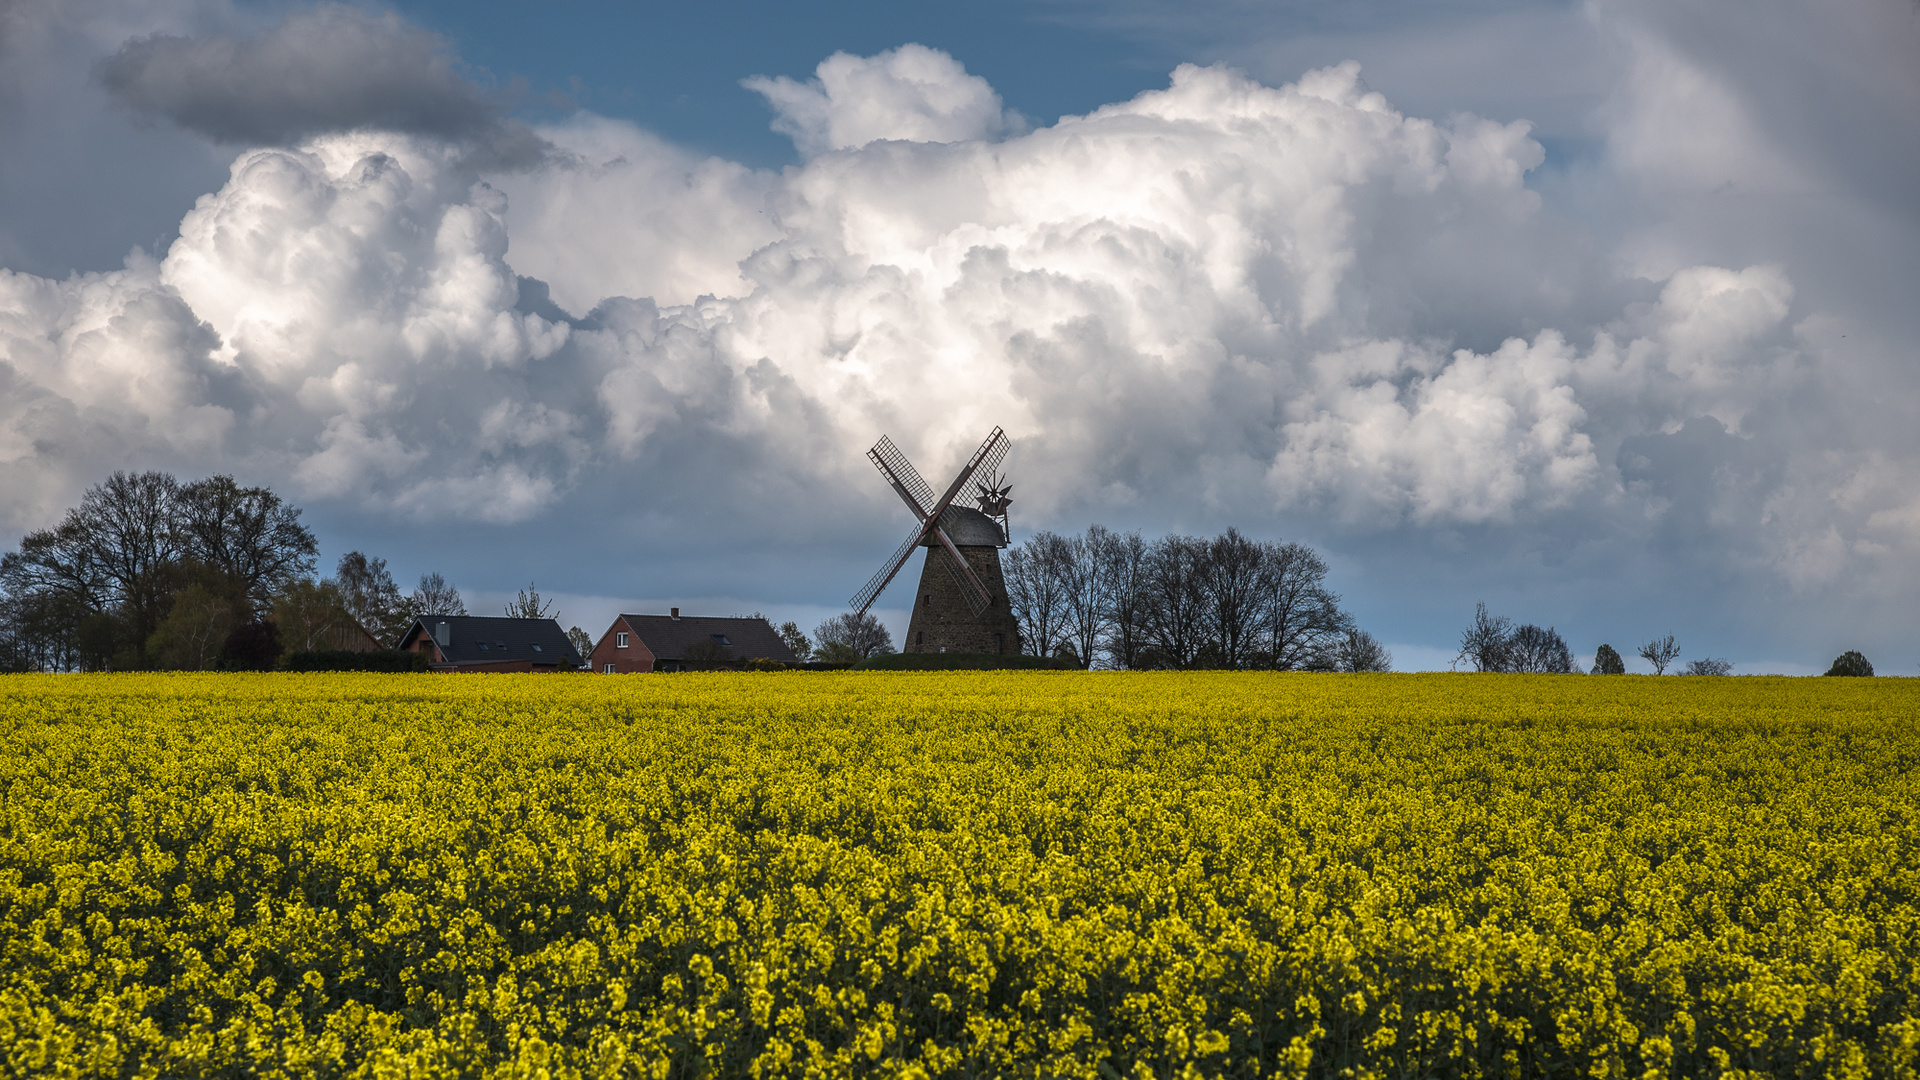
479,639
667,638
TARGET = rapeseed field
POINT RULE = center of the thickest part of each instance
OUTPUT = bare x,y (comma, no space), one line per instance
978,874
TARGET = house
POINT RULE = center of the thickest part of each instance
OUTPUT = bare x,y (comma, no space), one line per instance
479,643
663,642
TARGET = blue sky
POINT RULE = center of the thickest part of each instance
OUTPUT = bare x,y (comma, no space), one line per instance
1600,313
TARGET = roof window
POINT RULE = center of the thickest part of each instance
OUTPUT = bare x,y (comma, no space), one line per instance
721,638
483,646
537,648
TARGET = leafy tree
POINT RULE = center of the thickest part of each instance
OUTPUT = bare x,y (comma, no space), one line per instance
862,634
433,596
312,616
1850,663
1709,666
113,565
796,640
1355,651
527,605
836,652
252,646
1661,653
1606,661
582,644
190,638
368,594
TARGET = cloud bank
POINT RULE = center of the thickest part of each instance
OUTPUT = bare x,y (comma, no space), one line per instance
1217,301
332,68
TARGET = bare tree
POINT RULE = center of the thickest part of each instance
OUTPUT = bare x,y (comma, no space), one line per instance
249,537
1535,651
1238,587
1175,612
1301,614
1037,591
1486,641
117,552
433,596
1660,652
527,605
860,635
1126,555
1710,666
1086,587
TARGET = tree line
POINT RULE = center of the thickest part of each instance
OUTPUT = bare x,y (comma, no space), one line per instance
148,572
1118,600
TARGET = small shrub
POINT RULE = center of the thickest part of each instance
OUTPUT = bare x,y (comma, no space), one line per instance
1709,666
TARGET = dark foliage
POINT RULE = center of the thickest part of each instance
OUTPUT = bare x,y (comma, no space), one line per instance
1709,666
964,662
253,646
1607,661
386,660
1850,663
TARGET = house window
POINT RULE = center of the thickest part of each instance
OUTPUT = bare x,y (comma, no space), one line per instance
999,643
927,599
609,669
620,640
483,646
536,647
721,638
920,638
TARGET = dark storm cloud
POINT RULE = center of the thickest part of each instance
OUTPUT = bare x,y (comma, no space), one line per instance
330,69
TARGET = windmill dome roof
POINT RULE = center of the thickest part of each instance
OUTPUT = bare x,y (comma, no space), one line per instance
968,527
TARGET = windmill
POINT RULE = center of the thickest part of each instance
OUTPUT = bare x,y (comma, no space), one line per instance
961,607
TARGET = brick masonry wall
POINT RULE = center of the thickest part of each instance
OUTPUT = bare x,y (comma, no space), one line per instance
635,657
941,618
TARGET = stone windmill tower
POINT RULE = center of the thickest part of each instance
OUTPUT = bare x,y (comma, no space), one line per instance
961,605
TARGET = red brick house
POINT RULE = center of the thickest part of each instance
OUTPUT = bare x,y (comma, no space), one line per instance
660,642
473,643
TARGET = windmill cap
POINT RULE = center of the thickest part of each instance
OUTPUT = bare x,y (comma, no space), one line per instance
968,527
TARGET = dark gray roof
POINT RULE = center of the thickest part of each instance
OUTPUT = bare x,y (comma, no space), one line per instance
967,527
503,639
667,638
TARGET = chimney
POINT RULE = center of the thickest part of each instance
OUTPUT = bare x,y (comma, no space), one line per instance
443,636
676,614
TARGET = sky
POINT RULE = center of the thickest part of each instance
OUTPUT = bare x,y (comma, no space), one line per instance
1602,313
